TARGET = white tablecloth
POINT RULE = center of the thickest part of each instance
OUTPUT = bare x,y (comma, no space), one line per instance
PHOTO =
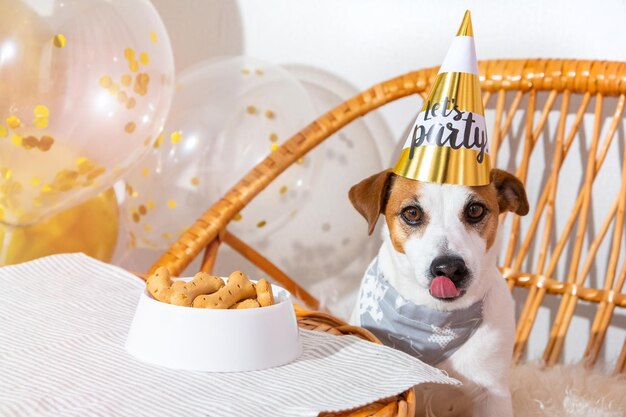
63,324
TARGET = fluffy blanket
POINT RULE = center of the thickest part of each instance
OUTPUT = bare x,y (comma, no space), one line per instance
567,391
561,391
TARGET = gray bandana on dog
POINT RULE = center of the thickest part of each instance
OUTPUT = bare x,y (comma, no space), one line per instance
427,334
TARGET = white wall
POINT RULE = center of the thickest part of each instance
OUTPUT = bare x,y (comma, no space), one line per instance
367,41
362,42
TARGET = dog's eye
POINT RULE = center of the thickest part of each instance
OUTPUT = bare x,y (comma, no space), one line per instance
412,215
475,212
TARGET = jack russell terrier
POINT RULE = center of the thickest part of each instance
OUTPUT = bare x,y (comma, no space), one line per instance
434,290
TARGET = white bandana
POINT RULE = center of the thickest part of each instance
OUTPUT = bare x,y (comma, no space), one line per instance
429,335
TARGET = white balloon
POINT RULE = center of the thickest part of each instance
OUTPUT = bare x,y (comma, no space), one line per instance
226,117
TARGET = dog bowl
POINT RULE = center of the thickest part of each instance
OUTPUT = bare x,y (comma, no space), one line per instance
211,340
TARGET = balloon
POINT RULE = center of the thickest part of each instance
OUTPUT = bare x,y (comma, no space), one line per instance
226,117
90,227
85,86
325,246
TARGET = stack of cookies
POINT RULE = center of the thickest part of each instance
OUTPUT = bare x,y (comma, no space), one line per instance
208,291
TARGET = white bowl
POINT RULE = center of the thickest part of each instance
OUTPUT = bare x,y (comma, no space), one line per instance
211,340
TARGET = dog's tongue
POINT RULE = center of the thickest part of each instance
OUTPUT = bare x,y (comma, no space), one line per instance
443,287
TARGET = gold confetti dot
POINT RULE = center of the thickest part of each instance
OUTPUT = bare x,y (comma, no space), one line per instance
131,103
270,114
141,84
126,80
13,122
144,58
142,210
41,122
30,142
16,139
251,110
130,127
171,203
45,143
105,81
273,137
261,224
7,173
46,188
41,111
283,189
176,136
153,37
238,217
158,141
300,161
59,40
150,204
259,71
147,227
35,181
136,217
275,146
245,71
145,171
3,131
166,236
81,160
129,54
114,89
133,66
195,181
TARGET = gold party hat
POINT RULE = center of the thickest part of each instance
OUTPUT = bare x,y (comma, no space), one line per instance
448,142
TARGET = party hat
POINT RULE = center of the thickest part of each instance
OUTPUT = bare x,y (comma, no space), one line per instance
448,142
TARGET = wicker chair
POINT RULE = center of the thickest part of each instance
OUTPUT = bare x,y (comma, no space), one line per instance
508,82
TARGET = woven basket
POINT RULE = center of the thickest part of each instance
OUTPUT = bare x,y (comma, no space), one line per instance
509,82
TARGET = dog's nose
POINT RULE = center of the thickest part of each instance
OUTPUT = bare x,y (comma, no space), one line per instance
452,267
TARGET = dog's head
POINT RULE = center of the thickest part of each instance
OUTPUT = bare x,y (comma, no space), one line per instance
445,233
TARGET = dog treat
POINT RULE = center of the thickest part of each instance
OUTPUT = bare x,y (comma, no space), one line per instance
178,284
203,283
237,288
249,303
181,293
264,293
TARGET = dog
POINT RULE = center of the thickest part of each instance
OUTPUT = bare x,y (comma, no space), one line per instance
439,250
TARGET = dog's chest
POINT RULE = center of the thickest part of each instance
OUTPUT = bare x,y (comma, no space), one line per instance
430,335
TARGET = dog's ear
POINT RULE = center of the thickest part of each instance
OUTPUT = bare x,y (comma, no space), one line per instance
370,196
511,192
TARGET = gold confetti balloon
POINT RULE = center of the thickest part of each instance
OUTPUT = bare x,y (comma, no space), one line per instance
85,86
90,227
226,117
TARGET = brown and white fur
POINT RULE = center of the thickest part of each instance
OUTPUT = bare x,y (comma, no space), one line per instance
427,221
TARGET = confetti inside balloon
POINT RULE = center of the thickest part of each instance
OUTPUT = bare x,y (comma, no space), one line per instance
226,117
90,227
85,86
